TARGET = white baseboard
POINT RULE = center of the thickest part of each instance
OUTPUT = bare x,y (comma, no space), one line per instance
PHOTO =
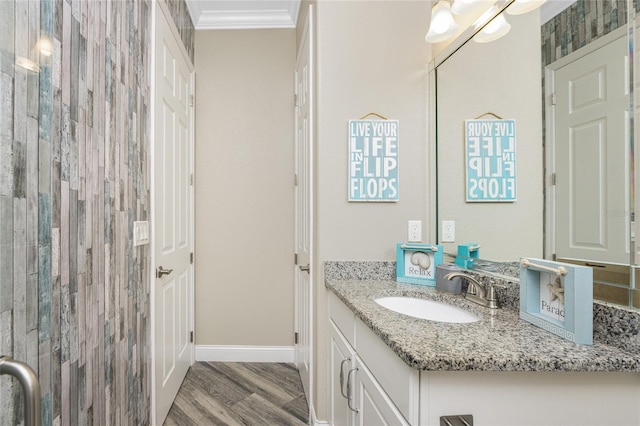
225,353
314,420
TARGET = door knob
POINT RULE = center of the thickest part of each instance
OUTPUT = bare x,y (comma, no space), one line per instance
306,269
160,272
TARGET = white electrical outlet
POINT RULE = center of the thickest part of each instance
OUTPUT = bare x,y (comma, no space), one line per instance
448,231
415,231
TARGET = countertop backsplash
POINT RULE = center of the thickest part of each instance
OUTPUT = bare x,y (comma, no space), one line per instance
613,325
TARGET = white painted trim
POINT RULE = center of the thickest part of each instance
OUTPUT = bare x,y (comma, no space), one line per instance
244,14
195,10
228,353
313,419
152,216
244,19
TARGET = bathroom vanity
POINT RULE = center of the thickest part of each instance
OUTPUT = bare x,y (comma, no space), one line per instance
389,368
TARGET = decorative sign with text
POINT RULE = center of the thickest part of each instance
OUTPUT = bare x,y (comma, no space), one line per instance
558,297
490,160
373,160
416,263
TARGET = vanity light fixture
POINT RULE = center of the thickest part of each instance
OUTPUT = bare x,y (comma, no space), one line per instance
520,7
495,29
442,24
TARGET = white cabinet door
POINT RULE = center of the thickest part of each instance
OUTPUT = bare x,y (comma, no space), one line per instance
373,405
399,381
342,362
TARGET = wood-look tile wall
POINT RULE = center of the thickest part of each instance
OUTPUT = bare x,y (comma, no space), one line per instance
579,25
184,24
74,175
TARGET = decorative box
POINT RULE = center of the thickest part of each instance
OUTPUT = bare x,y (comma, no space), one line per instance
558,297
416,263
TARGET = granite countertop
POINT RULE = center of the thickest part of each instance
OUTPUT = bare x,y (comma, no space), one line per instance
500,341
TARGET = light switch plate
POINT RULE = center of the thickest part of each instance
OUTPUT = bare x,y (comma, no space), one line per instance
140,233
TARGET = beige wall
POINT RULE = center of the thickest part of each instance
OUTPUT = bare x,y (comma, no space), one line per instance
244,187
371,57
502,77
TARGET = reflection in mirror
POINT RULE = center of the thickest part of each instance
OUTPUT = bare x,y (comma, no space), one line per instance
479,80
509,271
573,159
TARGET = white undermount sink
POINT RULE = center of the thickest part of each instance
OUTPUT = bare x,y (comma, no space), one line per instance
427,309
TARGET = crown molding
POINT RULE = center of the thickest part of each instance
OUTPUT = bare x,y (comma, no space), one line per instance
252,15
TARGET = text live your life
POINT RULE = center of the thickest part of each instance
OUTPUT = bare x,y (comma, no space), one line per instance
491,160
373,160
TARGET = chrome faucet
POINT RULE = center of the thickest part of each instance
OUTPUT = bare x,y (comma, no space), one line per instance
477,292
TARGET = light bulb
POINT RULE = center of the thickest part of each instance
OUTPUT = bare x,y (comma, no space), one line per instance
520,7
442,24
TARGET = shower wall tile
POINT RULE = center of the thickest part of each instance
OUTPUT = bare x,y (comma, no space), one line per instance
74,176
579,25
182,19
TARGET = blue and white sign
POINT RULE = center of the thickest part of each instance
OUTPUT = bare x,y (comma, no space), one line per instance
490,160
373,160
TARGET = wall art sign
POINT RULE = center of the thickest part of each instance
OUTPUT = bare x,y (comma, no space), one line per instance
558,297
416,263
490,158
373,160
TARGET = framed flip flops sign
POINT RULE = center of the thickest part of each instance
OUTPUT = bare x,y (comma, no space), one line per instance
373,160
490,156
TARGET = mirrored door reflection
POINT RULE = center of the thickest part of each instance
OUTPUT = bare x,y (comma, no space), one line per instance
605,219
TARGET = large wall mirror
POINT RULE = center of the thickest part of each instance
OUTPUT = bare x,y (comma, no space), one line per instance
563,74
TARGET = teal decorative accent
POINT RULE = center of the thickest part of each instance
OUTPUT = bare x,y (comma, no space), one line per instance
558,297
44,292
46,409
467,253
46,101
373,160
416,263
490,158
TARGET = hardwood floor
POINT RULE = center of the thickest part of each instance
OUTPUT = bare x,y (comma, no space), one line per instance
227,393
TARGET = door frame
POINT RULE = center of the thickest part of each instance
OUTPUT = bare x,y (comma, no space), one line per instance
152,183
550,128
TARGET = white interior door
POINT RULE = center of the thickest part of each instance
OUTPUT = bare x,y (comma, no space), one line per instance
592,156
173,217
303,215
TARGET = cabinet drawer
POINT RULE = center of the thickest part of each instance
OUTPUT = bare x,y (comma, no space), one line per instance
343,318
400,382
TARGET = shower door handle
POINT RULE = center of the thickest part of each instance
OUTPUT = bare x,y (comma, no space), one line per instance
30,385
